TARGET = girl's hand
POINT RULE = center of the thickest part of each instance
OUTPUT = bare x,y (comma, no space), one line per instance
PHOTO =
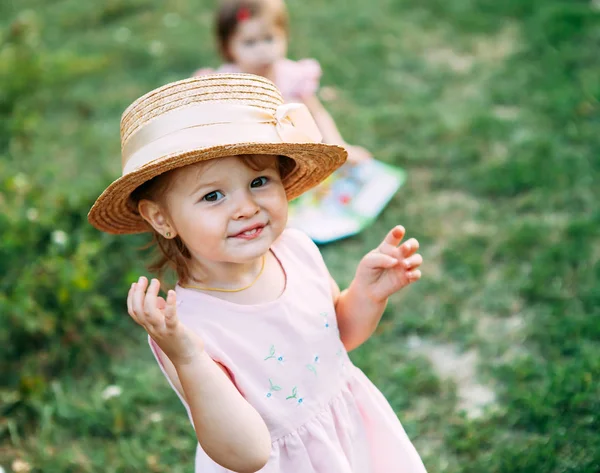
159,318
357,154
389,267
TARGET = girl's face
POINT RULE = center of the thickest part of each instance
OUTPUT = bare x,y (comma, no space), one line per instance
257,43
224,211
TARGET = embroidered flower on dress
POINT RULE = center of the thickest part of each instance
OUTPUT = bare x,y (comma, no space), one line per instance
294,395
276,356
325,314
272,387
312,366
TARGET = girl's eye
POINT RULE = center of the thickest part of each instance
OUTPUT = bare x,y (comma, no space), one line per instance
259,181
269,38
213,196
249,43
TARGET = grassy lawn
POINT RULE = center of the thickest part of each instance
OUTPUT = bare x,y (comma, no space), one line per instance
492,361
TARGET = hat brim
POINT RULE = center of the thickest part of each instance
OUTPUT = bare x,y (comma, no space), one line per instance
113,212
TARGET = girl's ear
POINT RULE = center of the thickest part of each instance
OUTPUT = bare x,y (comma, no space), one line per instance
154,214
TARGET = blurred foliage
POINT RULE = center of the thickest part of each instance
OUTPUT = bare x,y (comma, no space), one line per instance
60,297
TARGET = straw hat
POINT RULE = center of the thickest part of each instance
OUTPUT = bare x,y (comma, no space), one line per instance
208,117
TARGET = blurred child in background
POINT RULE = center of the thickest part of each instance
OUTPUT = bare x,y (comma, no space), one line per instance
252,37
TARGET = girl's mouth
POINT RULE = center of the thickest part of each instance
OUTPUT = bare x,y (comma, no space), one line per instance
250,233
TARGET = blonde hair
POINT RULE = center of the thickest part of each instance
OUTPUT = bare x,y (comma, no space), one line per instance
228,18
173,254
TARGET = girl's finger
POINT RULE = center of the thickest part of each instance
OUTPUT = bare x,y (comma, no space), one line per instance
409,247
392,239
414,275
130,303
138,298
129,300
171,309
378,260
150,308
413,261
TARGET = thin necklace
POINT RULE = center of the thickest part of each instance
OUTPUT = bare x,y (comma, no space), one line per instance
219,289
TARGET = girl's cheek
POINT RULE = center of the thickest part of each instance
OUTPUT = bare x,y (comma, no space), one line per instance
276,199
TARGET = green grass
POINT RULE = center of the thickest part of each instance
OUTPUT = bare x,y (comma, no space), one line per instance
491,107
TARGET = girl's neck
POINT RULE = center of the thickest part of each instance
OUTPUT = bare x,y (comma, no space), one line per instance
268,287
224,275
266,72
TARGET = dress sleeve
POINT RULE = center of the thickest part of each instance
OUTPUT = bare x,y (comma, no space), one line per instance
309,78
156,352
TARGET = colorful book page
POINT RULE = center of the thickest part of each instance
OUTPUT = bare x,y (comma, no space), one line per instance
347,201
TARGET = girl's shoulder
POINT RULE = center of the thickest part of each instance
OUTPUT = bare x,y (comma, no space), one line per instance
292,238
297,246
298,79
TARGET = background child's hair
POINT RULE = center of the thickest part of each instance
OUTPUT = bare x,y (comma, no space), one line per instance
173,254
228,17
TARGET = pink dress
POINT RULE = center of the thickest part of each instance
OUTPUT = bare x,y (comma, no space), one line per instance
287,360
294,79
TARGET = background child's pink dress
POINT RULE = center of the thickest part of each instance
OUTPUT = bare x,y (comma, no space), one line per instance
287,360
294,79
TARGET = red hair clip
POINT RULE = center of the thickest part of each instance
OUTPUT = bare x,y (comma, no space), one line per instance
243,14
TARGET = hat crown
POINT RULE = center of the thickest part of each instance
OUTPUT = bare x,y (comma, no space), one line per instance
209,117
244,89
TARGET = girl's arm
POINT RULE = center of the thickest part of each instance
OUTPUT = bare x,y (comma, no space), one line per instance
329,131
325,122
357,316
229,429
382,272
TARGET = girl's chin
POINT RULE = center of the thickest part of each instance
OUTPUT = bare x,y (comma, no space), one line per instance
251,252
247,254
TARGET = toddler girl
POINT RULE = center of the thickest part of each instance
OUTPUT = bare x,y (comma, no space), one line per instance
253,38
254,338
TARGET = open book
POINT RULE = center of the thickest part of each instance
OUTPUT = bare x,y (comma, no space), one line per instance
347,201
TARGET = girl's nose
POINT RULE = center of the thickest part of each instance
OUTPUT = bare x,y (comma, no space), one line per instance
246,206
